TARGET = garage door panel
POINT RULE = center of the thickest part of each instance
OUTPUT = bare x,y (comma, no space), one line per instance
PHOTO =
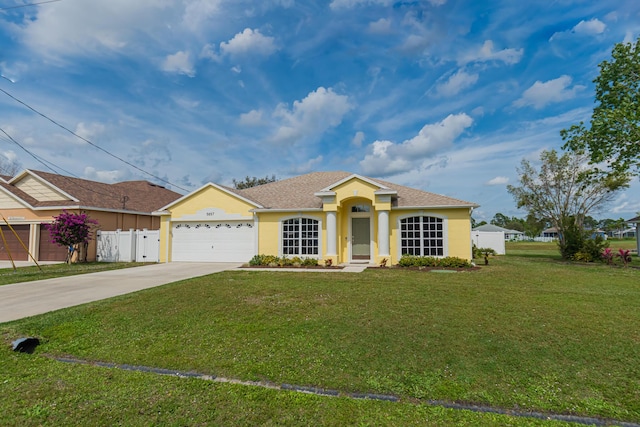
49,251
226,241
13,249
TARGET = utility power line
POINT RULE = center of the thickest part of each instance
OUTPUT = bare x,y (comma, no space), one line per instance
29,4
89,142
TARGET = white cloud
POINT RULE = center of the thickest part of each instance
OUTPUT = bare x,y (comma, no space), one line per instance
498,180
317,112
249,42
10,155
103,175
64,28
456,83
486,53
387,158
381,26
543,93
185,102
349,4
625,204
88,131
180,62
252,118
594,26
308,166
589,28
198,12
358,139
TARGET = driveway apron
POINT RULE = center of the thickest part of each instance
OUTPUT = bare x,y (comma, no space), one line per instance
30,298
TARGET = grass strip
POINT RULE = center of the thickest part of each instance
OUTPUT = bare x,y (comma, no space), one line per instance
335,393
49,271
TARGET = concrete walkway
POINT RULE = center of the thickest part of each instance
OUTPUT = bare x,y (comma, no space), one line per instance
30,298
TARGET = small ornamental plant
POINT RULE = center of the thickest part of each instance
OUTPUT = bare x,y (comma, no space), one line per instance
625,256
71,230
607,256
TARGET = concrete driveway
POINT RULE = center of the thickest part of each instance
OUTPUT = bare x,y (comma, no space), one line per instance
30,298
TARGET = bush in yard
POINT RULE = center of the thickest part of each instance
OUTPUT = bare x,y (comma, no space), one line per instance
257,260
429,261
71,230
275,261
310,262
591,250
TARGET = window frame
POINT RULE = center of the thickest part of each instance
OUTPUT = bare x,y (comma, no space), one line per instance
296,234
421,239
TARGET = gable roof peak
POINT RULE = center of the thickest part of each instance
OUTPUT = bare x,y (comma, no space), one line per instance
355,176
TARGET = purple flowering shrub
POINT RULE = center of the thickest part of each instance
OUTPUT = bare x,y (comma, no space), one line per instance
70,230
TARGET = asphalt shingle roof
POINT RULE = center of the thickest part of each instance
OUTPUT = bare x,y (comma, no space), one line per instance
135,196
299,193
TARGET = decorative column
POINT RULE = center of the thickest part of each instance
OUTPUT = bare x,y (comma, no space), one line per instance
383,233
332,233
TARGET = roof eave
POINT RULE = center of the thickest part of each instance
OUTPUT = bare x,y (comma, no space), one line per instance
436,207
260,210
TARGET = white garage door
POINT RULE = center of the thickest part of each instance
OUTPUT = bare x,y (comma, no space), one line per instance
215,241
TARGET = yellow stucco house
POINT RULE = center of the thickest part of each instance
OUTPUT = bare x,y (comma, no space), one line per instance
340,216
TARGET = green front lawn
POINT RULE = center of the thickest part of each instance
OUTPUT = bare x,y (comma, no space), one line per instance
530,333
49,271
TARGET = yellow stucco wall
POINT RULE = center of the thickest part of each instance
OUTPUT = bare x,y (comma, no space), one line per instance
269,231
458,230
210,197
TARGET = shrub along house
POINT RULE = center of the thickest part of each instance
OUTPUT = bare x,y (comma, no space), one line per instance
325,215
33,198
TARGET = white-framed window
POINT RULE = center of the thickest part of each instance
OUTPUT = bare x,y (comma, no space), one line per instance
301,237
422,236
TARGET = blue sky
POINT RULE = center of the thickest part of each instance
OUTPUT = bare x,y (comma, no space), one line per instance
446,96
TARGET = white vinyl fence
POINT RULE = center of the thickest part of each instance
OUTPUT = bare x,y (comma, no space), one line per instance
128,246
489,239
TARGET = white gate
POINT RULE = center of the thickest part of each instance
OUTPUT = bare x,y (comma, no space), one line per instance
148,246
128,246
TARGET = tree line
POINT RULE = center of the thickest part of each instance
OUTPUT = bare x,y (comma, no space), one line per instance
598,160
533,227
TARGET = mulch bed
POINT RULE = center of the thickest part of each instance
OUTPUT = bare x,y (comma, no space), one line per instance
301,267
428,269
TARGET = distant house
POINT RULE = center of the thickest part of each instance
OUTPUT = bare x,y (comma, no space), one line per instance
33,198
623,234
636,221
550,233
508,234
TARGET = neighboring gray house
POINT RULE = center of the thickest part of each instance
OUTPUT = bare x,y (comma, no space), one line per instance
508,234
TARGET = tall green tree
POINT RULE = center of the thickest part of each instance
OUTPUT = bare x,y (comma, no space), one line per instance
612,140
559,193
533,225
